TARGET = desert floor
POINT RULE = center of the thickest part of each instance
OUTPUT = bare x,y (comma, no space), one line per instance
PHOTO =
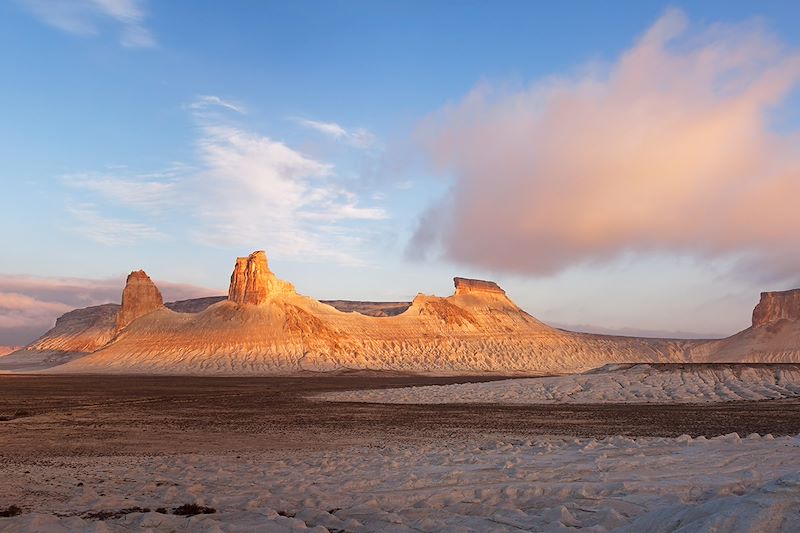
106,452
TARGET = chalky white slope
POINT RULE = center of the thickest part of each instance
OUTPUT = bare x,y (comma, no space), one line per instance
724,484
686,383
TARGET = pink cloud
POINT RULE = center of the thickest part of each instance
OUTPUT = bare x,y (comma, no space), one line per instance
30,305
667,149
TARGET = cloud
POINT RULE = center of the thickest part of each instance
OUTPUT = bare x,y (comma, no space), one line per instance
149,192
110,231
328,128
206,101
358,137
639,332
265,192
667,149
30,305
84,17
247,190
137,37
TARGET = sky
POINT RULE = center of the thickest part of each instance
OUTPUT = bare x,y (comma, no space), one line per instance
628,168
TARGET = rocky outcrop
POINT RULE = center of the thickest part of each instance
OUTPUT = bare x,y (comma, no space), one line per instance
467,286
253,283
140,297
265,327
775,306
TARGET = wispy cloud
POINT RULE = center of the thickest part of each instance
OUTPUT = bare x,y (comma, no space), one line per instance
668,149
247,190
358,137
206,101
86,17
264,191
110,231
148,192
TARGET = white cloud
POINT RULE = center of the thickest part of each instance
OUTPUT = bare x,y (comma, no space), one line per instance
137,37
205,101
328,128
248,190
110,231
148,192
358,137
84,18
127,11
265,192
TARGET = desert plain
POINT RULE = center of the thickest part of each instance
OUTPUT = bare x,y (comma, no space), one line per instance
121,453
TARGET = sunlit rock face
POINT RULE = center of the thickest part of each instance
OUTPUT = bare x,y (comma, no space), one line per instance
253,283
265,327
140,297
775,306
469,286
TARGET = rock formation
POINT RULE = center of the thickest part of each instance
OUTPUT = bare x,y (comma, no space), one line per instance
252,282
467,286
775,306
82,330
265,327
140,297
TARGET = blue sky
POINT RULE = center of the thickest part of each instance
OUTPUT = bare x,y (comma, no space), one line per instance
174,136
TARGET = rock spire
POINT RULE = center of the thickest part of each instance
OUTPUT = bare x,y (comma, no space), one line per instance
252,282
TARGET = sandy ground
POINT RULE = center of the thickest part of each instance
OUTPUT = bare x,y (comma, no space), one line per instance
95,453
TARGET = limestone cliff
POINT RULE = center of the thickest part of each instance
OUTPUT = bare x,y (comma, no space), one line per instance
252,282
775,306
140,297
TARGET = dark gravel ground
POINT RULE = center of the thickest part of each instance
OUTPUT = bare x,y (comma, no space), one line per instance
46,416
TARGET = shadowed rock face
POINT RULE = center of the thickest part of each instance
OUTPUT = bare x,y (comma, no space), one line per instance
140,297
775,306
194,305
376,309
252,282
466,286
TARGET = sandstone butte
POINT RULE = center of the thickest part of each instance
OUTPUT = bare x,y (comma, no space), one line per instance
139,297
264,327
